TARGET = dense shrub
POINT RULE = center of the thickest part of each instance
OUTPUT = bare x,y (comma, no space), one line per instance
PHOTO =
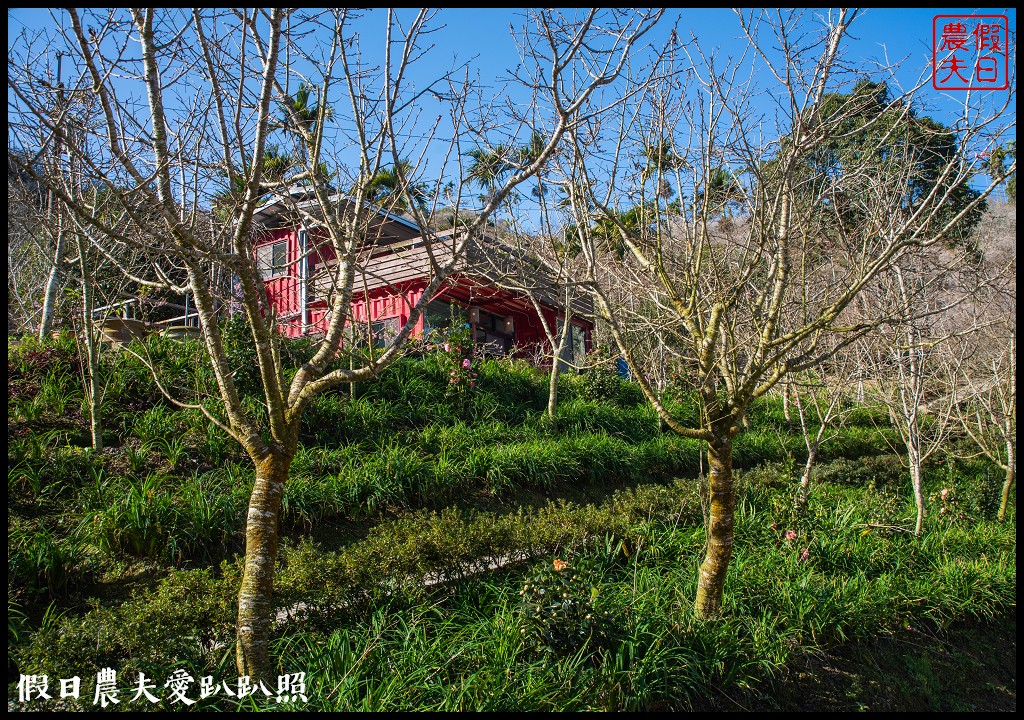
601,382
185,620
240,350
164,517
44,560
399,554
559,615
868,471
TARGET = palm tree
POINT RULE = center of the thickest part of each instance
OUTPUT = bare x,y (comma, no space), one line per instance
299,116
723,188
528,154
276,165
389,187
490,168
660,158
638,222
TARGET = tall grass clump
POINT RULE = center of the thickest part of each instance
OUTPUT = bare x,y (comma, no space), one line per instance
43,559
164,517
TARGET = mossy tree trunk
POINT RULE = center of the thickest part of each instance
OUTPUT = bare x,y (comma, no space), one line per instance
721,512
255,598
1007,484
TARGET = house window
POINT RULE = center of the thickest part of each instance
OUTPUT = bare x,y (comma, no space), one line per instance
384,332
491,337
579,343
576,349
272,259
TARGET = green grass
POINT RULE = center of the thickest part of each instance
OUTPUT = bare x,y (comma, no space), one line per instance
399,485
468,645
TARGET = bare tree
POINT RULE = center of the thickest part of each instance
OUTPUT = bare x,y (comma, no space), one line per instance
981,368
213,90
28,253
89,338
57,227
986,406
822,400
103,289
853,181
904,357
540,268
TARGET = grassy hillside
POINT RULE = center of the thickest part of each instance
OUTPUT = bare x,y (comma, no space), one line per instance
422,523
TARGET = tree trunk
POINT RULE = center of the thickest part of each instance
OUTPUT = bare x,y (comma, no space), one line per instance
556,370
915,479
93,387
1007,484
255,599
52,285
722,506
785,402
91,369
564,335
805,480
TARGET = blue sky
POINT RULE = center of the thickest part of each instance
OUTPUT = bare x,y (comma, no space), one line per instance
482,37
483,34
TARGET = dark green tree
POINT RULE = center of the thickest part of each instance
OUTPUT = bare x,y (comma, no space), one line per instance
490,167
277,165
876,141
723,191
659,160
299,115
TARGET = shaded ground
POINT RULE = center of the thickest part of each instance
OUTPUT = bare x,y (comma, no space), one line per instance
970,666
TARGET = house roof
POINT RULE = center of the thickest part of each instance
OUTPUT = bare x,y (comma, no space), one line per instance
403,256
486,260
275,212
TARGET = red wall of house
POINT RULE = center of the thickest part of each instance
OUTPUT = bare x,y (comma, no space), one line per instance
528,327
284,294
283,291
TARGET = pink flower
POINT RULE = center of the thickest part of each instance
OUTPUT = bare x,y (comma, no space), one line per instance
804,554
790,535
944,492
471,383
465,363
447,347
452,381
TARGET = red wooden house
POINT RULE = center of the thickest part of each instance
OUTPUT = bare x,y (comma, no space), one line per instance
297,266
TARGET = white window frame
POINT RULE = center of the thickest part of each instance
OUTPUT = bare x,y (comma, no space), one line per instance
265,264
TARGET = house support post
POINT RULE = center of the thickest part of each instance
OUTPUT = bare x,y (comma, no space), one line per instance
303,277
